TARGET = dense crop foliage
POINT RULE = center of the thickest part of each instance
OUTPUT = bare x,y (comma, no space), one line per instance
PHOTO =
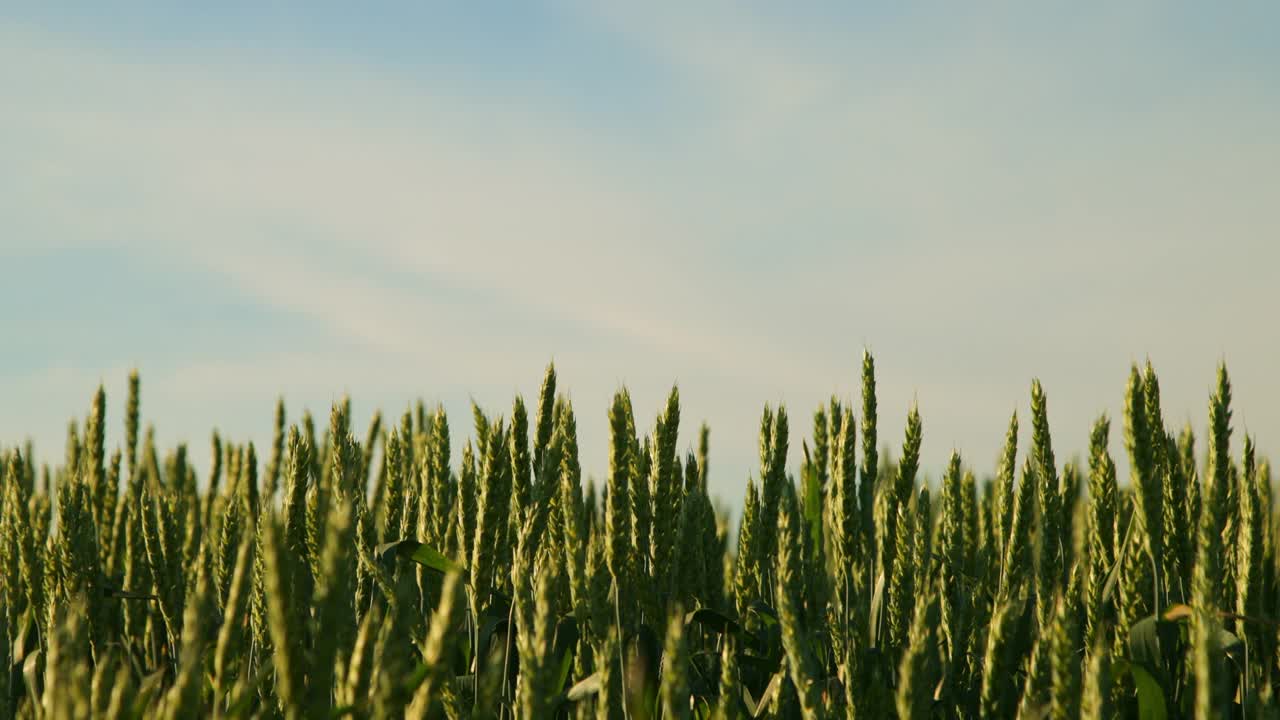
374,578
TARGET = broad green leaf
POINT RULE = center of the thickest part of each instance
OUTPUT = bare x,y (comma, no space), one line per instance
490,626
1232,647
763,612
643,651
1153,645
421,553
713,620
1151,704
566,643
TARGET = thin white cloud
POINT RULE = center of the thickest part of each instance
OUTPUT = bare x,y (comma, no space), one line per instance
976,210
225,173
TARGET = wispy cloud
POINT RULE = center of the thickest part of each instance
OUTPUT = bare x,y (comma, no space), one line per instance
977,198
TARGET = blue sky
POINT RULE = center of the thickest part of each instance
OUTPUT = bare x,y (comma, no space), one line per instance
435,199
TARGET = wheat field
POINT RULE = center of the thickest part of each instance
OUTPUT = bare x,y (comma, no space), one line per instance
358,572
